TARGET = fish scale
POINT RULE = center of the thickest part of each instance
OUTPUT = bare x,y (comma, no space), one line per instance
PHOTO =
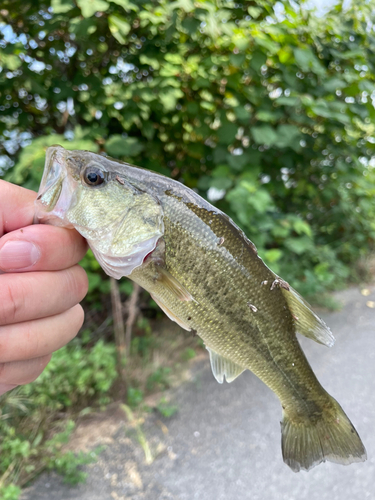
224,319
205,275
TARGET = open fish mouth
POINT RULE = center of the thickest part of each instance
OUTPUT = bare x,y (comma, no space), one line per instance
56,191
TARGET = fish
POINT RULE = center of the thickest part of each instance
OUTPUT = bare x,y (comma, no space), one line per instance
207,276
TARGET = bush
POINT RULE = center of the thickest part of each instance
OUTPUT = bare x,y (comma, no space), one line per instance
262,107
29,415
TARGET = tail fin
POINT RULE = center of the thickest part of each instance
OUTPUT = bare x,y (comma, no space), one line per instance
332,437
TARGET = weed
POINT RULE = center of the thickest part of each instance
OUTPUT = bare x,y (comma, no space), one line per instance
31,424
10,492
187,354
141,438
165,408
159,379
134,397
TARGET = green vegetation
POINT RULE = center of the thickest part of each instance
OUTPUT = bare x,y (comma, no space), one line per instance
34,423
269,114
36,420
260,106
165,408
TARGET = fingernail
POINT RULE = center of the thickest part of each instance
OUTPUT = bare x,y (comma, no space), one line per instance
5,388
17,254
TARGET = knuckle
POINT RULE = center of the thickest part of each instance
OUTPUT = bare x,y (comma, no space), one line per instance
31,369
84,282
12,301
79,247
32,340
76,247
77,282
78,319
3,370
30,377
80,316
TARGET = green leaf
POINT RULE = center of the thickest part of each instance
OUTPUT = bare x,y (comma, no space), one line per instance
307,61
299,245
241,42
10,61
82,27
285,55
238,162
62,6
220,154
227,133
302,227
119,27
260,200
273,255
148,130
190,24
151,61
184,5
254,12
221,171
258,59
334,84
221,183
265,42
287,135
119,146
266,116
89,7
126,5
169,98
264,135
287,101
321,108
242,113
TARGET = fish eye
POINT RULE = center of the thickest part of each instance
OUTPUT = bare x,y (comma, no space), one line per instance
93,176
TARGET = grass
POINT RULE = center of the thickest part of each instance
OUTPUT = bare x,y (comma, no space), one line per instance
37,420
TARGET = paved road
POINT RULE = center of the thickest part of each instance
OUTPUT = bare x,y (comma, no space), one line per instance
224,442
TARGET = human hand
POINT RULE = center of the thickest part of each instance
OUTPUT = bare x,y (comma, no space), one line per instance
40,288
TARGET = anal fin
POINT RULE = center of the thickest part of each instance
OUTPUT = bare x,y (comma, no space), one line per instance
223,367
306,321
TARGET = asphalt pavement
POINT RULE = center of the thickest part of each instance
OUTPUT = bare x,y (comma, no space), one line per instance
224,441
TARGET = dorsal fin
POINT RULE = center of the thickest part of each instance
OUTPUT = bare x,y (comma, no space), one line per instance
306,321
223,367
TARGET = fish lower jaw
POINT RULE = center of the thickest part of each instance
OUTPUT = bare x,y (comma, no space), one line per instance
52,219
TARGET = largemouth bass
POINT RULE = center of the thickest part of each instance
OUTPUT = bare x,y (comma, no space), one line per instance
205,274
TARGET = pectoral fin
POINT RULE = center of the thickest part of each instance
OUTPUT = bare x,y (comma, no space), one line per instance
306,321
170,314
223,367
173,285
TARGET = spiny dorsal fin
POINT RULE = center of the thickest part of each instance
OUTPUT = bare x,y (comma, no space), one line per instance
306,321
223,367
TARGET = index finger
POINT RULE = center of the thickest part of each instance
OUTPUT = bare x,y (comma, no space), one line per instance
25,247
17,207
41,248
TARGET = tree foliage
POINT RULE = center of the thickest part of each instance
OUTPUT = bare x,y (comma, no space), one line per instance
261,106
